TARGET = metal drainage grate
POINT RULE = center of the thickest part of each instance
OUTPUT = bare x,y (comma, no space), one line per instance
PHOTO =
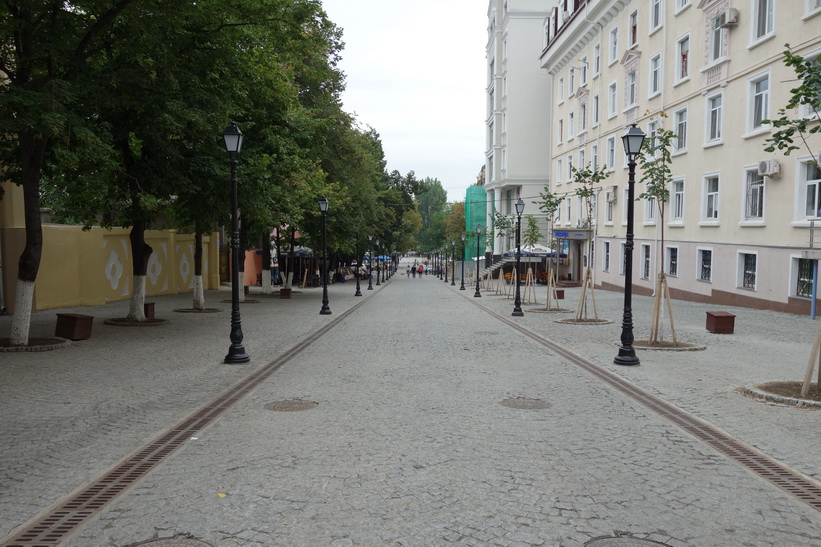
293,405
523,403
55,525
778,474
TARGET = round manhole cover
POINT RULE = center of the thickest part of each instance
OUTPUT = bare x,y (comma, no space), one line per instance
622,542
525,403
292,405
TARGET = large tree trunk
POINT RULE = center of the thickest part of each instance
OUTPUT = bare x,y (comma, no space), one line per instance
199,293
140,252
32,152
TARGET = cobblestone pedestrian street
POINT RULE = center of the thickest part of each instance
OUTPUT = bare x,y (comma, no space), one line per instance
421,417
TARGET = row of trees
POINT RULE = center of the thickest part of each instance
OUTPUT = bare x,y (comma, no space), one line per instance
113,111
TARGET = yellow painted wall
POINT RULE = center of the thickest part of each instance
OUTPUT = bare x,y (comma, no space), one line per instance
87,268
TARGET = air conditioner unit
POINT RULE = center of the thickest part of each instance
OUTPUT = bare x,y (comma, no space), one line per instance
565,16
769,168
728,18
612,194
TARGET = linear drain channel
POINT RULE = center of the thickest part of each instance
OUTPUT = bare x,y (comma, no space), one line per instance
57,524
759,463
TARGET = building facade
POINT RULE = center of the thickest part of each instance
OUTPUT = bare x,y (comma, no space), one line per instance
517,158
737,224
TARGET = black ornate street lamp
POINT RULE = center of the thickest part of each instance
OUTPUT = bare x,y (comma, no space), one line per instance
452,262
632,140
236,352
517,305
464,251
477,294
370,263
358,268
323,206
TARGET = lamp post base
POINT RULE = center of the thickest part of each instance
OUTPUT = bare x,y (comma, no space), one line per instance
626,356
325,311
236,355
517,312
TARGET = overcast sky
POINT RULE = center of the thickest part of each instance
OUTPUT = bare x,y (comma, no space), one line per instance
416,73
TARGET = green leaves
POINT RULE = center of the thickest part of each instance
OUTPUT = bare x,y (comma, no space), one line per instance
799,118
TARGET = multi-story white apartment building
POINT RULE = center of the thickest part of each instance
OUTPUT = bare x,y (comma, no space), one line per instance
738,219
517,154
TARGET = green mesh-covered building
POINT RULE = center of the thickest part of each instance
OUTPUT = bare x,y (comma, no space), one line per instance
475,213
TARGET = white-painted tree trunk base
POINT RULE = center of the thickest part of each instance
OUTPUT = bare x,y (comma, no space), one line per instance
21,322
136,306
242,286
199,293
267,288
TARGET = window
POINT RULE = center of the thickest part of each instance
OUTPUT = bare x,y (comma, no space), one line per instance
677,201
711,197
656,15
716,40
705,265
594,156
811,177
581,158
681,4
596,60
632,95
559,171
754,196
759,101
571,125
560,90
683,58
568,203
650,211
652,128
560,127
571,81
806,110
610,160
813,6
582,118
613,49
622,258
583,70
672,261
714,118
803,286
655,74
570,168
610,202
645,261
680,129
606,257
595,114
762,18
611,100
634,28
747,263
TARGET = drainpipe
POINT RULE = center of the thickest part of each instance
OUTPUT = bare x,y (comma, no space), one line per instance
814,288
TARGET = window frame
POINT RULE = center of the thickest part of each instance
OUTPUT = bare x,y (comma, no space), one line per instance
680,141
656,79
678,203
612,99
613,46
756,195
610,153
717,38
700,264
656,15
756,20
596,60
683,61
606,256
711,128
669,262
746,279
711,200
646,261
758,103
804,182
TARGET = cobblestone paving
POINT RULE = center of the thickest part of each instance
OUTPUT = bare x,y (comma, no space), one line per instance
409,444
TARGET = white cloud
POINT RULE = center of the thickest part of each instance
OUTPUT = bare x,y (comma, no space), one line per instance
416,73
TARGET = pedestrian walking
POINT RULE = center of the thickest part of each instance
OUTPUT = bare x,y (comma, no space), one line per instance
421,271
